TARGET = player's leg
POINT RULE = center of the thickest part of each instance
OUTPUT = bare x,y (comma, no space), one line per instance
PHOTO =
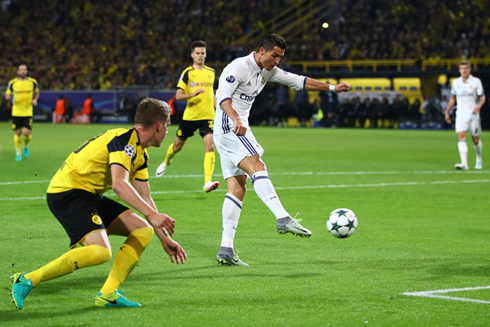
264,189
171,152
27,137
463,151
209,162
75,211
138,234
17,138
232,207
462,124
475,129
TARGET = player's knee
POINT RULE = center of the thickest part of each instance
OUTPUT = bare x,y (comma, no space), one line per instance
101,253
143,235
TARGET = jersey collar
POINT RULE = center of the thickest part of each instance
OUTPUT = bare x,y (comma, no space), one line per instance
252,61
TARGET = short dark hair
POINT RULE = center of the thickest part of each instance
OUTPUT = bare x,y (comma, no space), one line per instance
271,40
197,44
150,111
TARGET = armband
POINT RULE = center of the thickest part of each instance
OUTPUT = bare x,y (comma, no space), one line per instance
331,88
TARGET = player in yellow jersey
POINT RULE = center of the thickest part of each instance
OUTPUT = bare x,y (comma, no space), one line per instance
196,86
118,160
24,92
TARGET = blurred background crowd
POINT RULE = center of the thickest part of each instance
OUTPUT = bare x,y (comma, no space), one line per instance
108,44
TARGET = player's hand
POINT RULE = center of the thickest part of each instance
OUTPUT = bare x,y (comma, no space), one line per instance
198,91
447,118
342,87
161,220
175,251
240,130
34,102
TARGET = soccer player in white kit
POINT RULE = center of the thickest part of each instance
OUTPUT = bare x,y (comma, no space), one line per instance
467,91
240,153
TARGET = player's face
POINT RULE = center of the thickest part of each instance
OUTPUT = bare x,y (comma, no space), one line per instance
199,55
270,59
22,71
162,131
465,71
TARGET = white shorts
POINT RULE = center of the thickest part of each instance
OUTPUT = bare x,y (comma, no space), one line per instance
233,149
471,123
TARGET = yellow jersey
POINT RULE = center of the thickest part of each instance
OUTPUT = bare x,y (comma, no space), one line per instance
22,94
89,167
200,107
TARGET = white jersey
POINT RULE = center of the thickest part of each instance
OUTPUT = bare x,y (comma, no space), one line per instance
467,94
241,81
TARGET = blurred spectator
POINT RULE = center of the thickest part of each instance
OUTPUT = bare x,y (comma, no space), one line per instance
88,108
283,101
59,110
69,109
301,105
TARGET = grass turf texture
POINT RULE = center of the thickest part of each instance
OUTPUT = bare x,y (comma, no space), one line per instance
422,226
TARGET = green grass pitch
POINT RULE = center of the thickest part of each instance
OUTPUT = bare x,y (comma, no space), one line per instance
422,227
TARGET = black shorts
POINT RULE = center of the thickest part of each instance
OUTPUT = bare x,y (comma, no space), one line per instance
19,122
81,212
188,127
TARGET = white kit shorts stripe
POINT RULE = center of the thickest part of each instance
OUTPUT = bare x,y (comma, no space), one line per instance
233,149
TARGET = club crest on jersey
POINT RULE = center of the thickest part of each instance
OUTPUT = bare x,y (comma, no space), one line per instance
96,220
230,79
129,150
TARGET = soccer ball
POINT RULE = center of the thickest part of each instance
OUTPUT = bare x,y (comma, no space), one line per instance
342,222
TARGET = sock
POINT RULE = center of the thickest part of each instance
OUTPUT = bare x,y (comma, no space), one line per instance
463,152
266,192
27,139
82,257
126,259
232,208
170,154
209,159
18,144
478,149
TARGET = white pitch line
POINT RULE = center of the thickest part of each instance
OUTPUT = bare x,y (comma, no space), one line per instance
432,294
306,173
294,188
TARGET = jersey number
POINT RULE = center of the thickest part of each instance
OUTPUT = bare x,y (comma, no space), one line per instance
86,143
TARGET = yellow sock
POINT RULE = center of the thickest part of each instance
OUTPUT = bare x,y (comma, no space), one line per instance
27,139
17,143
74,259
170,154
208,166
127,258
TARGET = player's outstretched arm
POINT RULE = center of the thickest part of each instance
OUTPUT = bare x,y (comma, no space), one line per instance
315,85
128,194
176,253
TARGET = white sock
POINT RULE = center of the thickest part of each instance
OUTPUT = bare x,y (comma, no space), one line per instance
478,148
266,192
232,208
463,152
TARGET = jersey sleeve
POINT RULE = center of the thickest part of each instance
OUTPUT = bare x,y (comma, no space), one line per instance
183,80
141,173
36,86
9,88
121,152
453,88
297,82
479,89
229,81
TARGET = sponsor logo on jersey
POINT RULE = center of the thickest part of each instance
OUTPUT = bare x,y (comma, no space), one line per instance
248,98
129,149
230,79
